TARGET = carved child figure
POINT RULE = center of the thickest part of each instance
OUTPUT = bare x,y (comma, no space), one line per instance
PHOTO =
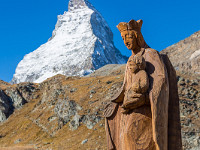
137,85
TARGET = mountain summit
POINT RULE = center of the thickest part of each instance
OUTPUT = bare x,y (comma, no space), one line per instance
79,4
81,43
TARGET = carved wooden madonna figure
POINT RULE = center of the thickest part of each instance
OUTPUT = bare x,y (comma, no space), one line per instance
144,114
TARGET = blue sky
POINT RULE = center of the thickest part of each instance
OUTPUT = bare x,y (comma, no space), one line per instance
26,24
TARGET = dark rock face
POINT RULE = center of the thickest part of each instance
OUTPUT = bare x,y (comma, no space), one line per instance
5,106
14,97
26,90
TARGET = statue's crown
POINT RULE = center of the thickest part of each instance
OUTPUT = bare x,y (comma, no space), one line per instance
131,25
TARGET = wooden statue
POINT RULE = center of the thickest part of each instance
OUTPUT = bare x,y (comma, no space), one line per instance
144,114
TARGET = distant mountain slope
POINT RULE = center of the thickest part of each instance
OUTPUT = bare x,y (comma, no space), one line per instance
185,55
81,43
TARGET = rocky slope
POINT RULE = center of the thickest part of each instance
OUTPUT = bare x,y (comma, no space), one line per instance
185,55
66,112
189,94
61,113
81,43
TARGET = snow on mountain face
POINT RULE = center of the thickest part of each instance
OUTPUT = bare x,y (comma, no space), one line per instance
81,43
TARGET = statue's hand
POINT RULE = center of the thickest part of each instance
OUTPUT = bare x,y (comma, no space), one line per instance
118,97
134,101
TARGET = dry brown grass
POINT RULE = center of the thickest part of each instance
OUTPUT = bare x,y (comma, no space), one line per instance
21,124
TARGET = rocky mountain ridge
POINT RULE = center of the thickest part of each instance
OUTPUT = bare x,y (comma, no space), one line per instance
185,55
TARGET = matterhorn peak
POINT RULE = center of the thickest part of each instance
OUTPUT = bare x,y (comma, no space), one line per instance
81,43
79,4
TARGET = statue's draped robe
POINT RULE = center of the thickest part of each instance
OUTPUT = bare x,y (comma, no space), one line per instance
146,127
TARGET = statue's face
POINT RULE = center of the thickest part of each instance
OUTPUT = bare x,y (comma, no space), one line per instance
133,68
129,39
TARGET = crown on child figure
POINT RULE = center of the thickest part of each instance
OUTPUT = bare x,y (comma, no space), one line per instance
131,25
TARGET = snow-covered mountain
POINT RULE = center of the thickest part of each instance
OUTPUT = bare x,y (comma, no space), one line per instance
81,43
